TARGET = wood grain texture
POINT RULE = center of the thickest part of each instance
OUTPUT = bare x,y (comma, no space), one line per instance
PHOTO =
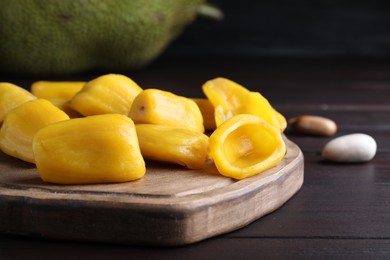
169,206
341,211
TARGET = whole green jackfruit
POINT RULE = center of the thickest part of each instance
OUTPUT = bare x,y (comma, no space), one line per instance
68,36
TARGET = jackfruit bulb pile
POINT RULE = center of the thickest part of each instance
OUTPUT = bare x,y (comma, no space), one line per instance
62,37
104,130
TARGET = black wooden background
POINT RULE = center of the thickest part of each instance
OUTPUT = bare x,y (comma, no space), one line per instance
291,28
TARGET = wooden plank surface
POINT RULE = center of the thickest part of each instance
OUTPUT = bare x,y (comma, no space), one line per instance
341,211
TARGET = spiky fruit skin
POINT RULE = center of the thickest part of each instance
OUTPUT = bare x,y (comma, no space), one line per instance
67,36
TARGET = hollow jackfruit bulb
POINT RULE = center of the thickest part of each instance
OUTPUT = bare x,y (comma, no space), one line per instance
246,145
254,104
225,92
230,98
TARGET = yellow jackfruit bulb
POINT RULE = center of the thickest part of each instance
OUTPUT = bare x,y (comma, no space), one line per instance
12,96
254,104
22,123
56,89
154,106
173,145
230,98
257,104
207,110
281,119
246,145
94,149
64,105
224,92
107,94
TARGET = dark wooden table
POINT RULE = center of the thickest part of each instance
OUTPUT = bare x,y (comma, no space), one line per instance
342,210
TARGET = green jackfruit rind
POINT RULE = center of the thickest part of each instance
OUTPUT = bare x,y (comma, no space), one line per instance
68,36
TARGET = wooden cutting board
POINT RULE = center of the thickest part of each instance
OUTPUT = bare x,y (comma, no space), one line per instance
169,206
